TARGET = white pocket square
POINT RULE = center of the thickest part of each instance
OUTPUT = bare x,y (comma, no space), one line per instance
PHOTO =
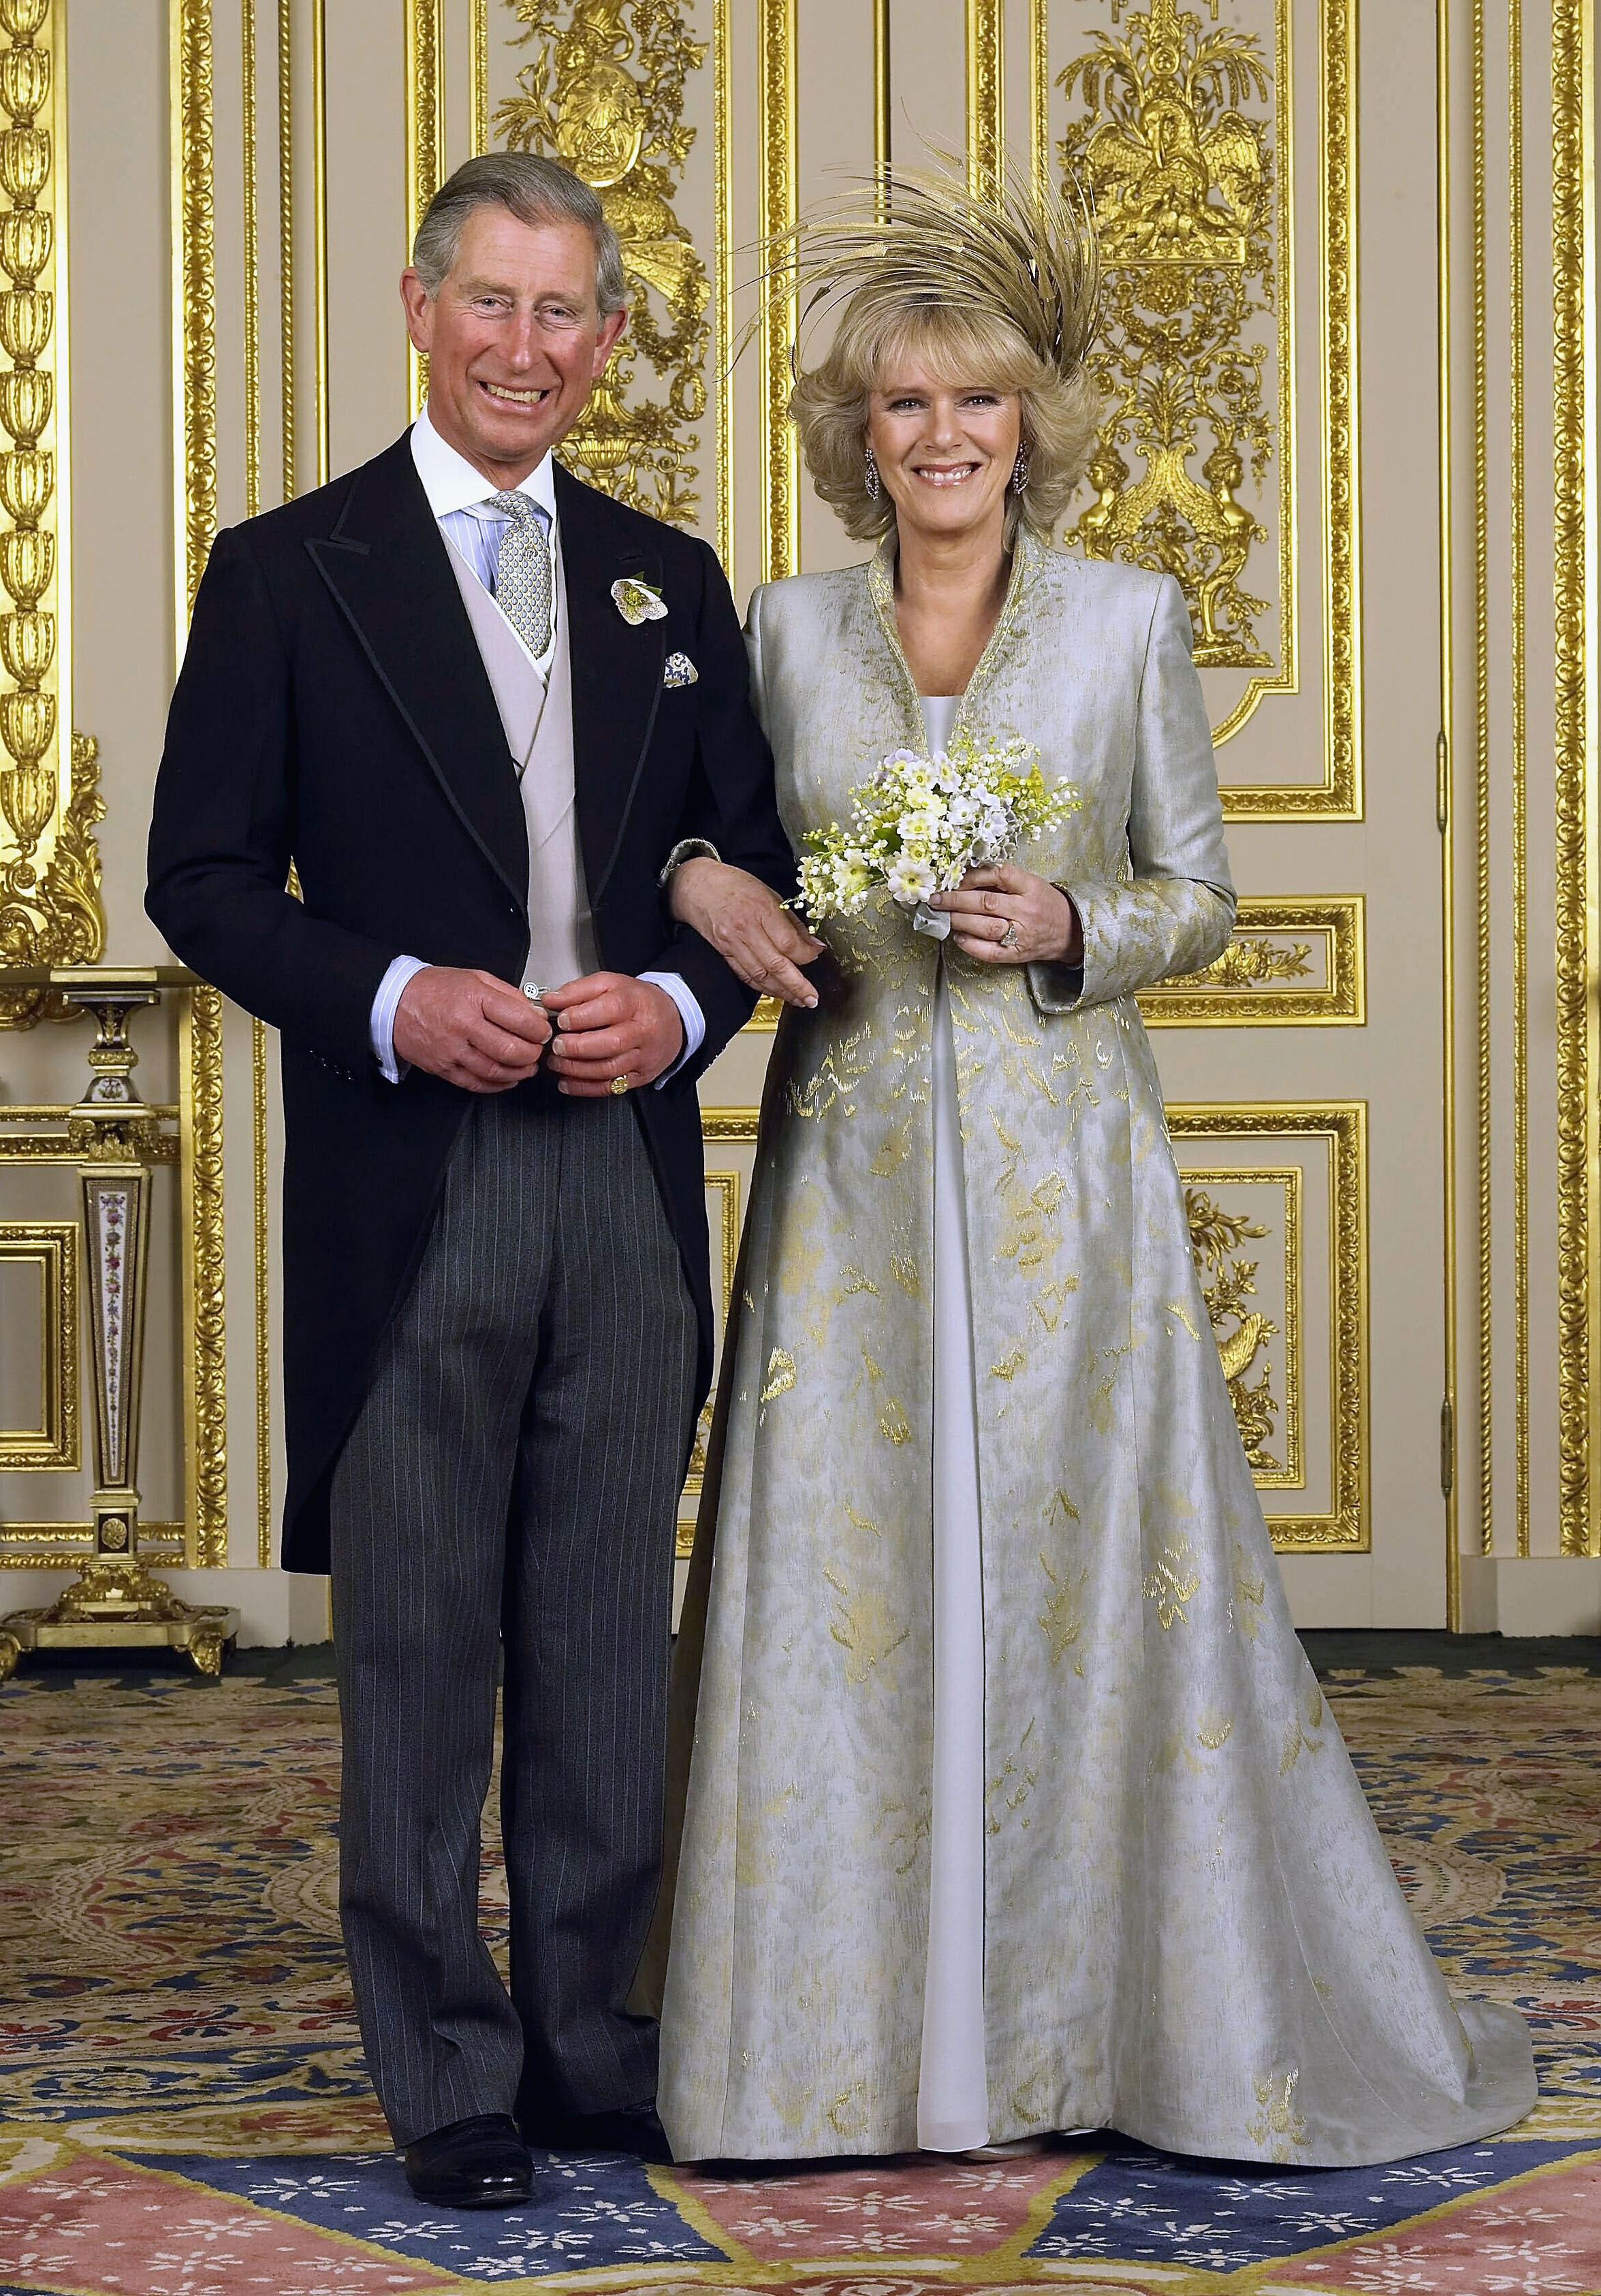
679,670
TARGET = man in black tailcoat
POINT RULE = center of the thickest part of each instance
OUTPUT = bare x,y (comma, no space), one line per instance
483,709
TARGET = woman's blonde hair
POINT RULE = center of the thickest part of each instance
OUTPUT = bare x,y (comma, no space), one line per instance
961,348
999,292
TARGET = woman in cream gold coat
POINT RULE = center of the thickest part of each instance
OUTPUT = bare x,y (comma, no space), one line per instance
1014,1804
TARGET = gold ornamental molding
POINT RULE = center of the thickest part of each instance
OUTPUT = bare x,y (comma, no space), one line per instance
730,1124
604,93
726,1187
1484,945
1290,963
50,900
194,528
1341,1128
205,1325
719,1127
985,94
424,137
50,1248
777,208
194,300
1181,133
1578,602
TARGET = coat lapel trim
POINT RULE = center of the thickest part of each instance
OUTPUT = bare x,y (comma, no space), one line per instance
881,585
386,568
617,671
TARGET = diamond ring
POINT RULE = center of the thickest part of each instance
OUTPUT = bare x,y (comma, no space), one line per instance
1008,940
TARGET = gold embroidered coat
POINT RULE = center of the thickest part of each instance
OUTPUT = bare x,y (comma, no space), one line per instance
1192,1931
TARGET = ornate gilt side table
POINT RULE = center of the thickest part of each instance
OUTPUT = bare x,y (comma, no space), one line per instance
116,1602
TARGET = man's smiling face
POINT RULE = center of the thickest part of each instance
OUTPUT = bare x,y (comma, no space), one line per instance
514,339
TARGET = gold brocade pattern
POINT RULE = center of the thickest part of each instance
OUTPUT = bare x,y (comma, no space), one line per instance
1154,1880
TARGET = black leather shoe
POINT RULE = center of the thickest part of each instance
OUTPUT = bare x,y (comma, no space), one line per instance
482,2163
632,2128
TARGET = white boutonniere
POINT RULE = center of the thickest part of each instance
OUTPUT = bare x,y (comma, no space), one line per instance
637,602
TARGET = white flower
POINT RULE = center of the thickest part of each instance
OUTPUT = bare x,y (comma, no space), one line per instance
910,882
637,601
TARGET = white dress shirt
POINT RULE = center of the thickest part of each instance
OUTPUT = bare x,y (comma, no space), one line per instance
460,500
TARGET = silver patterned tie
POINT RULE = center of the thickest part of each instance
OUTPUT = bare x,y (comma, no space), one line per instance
522,570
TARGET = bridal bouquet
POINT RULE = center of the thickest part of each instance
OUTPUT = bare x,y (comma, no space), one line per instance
918,823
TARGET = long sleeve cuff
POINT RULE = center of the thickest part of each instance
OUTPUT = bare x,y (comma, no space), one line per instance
689,1012
381,1026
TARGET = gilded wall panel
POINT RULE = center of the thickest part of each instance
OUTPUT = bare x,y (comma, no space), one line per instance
1178,125
603,93
1243,1210
1297,962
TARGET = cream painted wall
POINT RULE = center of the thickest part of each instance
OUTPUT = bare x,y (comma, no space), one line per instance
121,229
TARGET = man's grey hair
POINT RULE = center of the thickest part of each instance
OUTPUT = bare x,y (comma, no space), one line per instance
536,190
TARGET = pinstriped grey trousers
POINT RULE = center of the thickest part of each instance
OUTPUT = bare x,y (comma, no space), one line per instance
506,1498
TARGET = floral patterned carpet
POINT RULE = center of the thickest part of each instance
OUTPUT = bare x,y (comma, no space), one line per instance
184,2112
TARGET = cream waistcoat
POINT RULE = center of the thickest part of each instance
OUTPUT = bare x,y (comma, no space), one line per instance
537,723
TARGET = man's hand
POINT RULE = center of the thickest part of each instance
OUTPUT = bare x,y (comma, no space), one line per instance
748,927
470,1028
608,1025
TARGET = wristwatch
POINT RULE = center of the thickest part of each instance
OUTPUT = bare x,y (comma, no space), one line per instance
687,849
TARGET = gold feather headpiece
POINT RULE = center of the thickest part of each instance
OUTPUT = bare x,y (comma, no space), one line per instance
1026,255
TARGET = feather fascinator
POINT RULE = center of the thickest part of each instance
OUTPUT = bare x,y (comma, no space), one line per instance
1026,256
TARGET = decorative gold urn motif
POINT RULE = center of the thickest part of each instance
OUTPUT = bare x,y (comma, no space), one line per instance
1182,180
50,910
605,96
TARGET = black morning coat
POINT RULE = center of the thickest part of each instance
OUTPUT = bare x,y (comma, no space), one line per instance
333,711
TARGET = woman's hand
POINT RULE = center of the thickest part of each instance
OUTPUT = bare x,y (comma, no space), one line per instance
989,904
747,925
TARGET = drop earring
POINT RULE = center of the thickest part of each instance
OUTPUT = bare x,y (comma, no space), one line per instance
1020,472
872,476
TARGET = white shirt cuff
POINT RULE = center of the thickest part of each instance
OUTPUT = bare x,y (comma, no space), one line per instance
381,1028
689,1012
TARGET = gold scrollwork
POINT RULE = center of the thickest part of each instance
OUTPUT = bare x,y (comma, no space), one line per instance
51,1247
1296,963
1342,1128
1183,181
622,130
1243,1330
1182,140
50,904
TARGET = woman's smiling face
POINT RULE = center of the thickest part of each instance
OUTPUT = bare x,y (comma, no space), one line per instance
945,451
